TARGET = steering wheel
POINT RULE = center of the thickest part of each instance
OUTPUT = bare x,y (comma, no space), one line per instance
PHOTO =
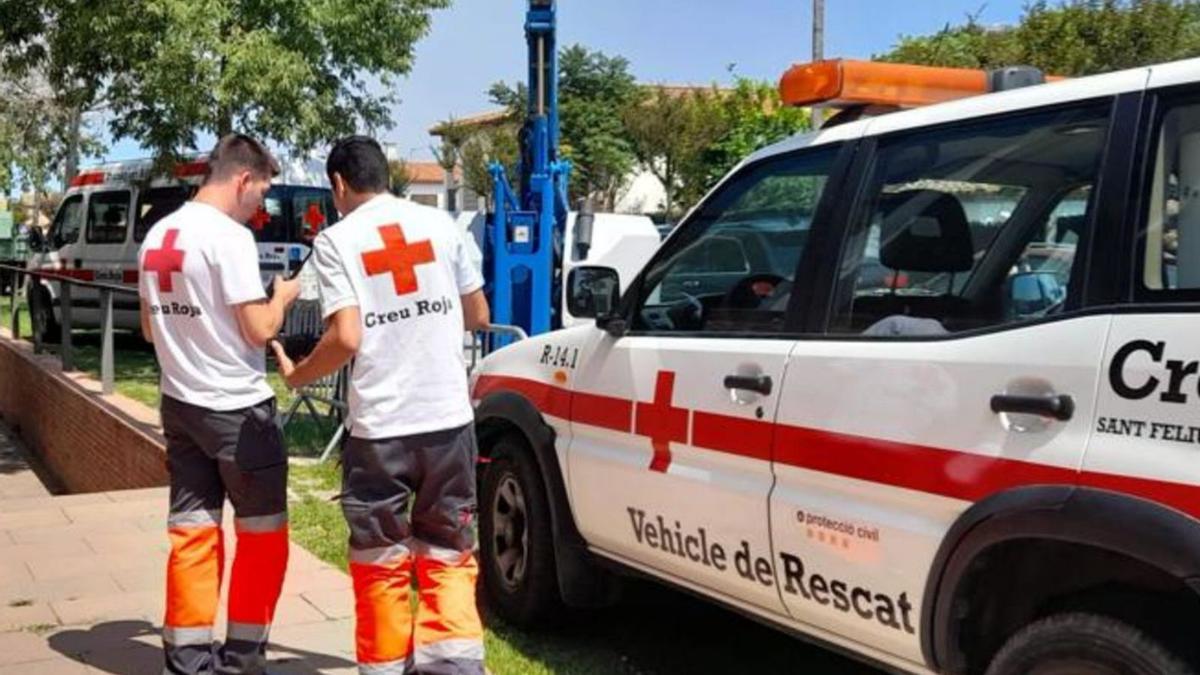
751,291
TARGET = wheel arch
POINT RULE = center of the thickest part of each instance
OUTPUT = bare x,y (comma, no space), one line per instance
581,583
1106,522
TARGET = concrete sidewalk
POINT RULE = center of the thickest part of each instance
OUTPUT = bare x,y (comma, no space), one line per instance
82,581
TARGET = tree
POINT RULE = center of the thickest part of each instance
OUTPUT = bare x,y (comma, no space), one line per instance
669,131
399,178
293,72
481,149
1072,38
449,155
748,117
593,91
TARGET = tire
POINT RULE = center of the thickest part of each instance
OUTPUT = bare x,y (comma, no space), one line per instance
516,541
41,315
1084,644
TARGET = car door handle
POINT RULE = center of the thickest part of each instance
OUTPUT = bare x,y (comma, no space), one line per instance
1057,406
758,383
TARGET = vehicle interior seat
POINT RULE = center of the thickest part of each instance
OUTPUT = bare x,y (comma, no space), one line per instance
922,231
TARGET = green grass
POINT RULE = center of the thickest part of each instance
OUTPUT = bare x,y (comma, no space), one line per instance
6,316
652,631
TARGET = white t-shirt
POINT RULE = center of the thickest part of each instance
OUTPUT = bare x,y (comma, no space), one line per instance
194,266
405,267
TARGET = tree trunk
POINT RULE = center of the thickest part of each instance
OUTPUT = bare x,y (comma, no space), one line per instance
72,162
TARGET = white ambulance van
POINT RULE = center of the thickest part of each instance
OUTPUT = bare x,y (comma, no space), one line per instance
107,210
922,387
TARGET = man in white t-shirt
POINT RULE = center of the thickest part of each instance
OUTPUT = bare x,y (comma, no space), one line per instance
204,307
398,289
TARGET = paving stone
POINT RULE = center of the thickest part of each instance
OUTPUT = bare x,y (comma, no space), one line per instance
333,603
32,519
144,605
294,609
53,550
23,647
26,616
57,666
156,494
60,589
325,646
14,572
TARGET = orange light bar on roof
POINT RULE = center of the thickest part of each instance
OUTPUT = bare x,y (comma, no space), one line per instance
840,82
88,178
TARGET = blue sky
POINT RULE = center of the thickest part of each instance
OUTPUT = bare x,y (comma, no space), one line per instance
478,42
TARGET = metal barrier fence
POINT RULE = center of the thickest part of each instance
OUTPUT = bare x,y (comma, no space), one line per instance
331,391
66,352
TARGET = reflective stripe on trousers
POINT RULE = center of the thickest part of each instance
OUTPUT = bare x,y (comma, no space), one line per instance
194,571
383,630
448,630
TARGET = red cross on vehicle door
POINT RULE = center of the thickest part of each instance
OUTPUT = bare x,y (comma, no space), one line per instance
667,461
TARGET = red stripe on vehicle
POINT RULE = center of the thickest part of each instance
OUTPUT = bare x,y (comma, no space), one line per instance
129,277
547,398
81,275
949,473
733,435
598,410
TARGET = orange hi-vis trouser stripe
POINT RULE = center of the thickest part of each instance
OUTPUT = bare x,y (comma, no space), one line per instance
448,627
257,577
193,577
384,623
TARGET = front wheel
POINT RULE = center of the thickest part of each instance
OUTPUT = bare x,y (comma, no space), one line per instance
1084,644
516,544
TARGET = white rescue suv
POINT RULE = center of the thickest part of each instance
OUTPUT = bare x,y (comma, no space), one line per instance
922,387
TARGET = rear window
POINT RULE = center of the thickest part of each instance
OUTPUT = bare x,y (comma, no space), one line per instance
292,214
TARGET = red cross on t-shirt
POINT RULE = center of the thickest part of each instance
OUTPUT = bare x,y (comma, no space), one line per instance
660,421
164,261
399,258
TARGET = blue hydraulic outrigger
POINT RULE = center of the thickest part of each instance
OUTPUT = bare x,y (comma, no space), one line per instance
523,243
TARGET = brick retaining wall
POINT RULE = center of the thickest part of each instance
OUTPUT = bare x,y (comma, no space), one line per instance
90,442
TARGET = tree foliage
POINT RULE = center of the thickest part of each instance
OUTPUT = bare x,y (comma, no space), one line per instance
299,73
399,177
1073,38
753,117
481,149
593,90
670,132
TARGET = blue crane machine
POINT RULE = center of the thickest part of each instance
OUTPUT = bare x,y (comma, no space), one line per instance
523,243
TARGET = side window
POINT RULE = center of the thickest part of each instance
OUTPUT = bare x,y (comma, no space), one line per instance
1171,234
108,217
153,204
68,222
732,266
312,211
270,223
970,226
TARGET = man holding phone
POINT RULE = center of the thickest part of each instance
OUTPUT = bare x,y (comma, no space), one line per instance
397,291
204,307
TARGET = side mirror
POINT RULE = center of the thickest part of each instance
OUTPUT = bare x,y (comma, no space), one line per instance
37,242
593,292
1032,293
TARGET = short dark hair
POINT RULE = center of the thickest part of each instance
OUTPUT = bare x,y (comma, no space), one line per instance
238,152
360,161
